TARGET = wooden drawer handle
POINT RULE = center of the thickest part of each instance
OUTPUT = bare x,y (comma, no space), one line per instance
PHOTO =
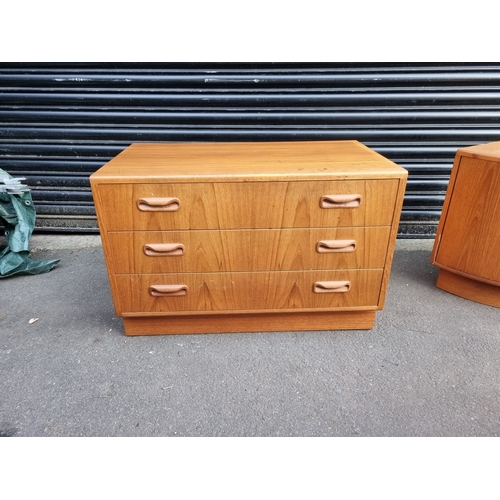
163,249
168,290
158,204
331,286
335,246
340,201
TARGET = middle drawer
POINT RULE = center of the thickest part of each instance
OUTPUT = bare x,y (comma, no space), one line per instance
152,252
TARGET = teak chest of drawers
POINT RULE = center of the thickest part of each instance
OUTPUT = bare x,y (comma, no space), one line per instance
238,237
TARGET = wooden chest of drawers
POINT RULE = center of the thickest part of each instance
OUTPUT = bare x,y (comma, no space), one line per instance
232,237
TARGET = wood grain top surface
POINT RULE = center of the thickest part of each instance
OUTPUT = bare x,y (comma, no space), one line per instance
489,151
246,161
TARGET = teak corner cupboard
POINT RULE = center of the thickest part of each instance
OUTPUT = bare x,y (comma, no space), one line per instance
467,244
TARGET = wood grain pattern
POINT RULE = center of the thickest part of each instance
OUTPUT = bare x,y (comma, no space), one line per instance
245,220
269,322
470,237
241,162
487,152
247,291
247,250
398,205
468,288
245,205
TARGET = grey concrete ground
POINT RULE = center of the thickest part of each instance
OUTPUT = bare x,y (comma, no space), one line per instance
430,367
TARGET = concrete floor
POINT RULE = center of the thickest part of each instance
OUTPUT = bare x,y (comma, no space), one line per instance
428,368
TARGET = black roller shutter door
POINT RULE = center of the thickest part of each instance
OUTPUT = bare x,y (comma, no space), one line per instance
61,122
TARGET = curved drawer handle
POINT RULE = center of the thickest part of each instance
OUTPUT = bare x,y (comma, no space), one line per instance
158,204
331,286
163,249
335,246
340,201
168,290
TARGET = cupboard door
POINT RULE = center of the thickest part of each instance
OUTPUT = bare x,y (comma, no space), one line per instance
470,240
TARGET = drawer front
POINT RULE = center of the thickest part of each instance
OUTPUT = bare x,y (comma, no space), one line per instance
241,205
293,290
150,252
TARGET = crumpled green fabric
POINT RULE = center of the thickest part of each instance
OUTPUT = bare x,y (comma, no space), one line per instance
18,215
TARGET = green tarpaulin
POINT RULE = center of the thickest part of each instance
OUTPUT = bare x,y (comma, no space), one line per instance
17,215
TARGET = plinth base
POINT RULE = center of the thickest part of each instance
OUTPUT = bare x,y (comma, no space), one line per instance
469,288
268,322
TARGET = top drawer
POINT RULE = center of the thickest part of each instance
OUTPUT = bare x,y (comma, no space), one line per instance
238,205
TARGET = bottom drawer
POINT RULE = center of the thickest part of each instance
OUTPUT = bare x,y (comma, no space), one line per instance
240,291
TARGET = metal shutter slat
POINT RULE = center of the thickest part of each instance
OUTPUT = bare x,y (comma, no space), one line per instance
59,122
